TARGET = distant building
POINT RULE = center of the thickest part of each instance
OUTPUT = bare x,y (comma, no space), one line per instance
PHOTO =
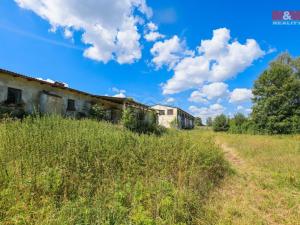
169,116
35,95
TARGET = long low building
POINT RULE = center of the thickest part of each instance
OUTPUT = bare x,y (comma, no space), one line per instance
36,95
169,116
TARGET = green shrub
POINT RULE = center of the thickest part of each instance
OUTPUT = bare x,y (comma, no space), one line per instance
141,121
174,123
198,122
221,123
236,124
11,112
98,112
64,171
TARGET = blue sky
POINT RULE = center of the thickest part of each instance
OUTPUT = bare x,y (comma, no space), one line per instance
166,70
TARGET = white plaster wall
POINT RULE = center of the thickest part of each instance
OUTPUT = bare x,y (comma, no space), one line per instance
165,120
32,90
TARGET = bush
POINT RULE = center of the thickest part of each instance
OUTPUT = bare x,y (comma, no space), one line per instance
141,121
221,123
174,123
64,171
11,112
98,112
236,124
198,121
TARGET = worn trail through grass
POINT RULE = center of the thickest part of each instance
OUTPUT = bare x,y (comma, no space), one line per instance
265,185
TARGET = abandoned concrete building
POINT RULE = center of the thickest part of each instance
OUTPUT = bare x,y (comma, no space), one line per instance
35,95
169,116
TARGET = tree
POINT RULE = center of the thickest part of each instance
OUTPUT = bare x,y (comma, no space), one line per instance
198,121
209,122
276,102
221,123
239,119
236,124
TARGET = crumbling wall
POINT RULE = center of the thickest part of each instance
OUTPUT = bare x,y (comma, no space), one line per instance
34,99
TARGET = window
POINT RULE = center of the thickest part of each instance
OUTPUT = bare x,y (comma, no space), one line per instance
71,105
161,112
170,112
14,96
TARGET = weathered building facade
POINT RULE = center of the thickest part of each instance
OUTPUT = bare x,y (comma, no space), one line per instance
169,116
34,95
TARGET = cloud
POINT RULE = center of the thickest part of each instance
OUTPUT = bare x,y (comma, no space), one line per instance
240,108
151,32
110,28
239,95
217,59
119,93
169,52
170,100
46,80
198,96
153,36
205,112
52,81
152,26
210,91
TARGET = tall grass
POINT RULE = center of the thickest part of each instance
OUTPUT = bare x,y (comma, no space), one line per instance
266,186
62,171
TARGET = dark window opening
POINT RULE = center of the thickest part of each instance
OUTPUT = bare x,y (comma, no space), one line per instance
161,112
14,96
71,105
170,112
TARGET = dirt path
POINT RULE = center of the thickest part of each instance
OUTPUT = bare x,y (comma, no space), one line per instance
242,199
230,154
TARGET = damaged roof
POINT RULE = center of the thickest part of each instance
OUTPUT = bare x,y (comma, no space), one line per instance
61,86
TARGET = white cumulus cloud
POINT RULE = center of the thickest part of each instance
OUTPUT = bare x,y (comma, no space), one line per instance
210,91
153,36
217,59
110,28
240,95
151,32
169,52
119,92
205,112
170,100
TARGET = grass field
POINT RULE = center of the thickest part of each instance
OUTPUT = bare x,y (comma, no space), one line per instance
63,171
265,188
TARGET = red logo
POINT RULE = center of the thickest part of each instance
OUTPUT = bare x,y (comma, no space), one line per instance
286,15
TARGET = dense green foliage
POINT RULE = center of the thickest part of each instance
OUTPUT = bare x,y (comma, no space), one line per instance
63,171
98,112
11,112
198,121
240,124
141,121
276,102
221,123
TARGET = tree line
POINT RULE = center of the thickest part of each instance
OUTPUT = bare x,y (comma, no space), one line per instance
276,102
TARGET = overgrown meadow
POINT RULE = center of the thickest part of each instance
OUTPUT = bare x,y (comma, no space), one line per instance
63,171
